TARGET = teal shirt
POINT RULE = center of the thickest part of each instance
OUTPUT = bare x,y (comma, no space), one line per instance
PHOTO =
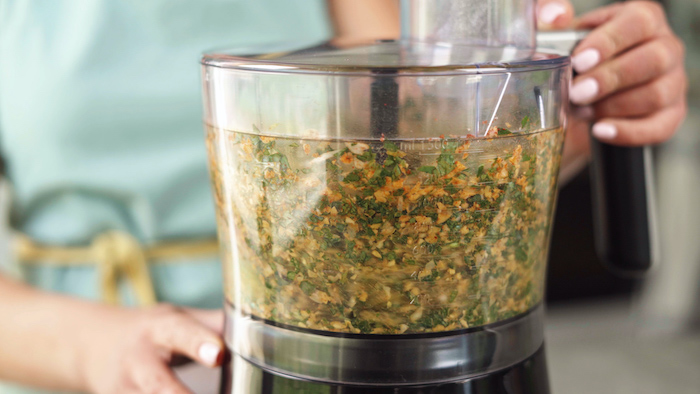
100,123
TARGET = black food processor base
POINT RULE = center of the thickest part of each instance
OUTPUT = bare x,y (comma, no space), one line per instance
527,377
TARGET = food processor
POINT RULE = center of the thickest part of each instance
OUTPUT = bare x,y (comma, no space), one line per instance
384,208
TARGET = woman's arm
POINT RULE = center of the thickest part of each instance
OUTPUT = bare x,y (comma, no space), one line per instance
358,21
38,337
57,342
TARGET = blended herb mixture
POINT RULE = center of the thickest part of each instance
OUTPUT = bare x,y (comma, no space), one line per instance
385,237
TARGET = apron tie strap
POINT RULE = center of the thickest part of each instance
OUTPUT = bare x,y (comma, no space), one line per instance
118,256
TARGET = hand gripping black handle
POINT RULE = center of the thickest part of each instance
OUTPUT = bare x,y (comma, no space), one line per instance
622,186
623,209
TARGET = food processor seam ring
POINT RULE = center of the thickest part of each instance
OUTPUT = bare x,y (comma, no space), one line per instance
435,360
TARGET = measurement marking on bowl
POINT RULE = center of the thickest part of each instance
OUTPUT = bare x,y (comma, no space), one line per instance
469,151
460,209
492,238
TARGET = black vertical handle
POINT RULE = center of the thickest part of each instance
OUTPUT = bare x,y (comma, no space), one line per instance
384,108
384,104
622,207
621,181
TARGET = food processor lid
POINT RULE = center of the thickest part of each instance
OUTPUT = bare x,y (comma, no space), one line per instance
437,36
400,56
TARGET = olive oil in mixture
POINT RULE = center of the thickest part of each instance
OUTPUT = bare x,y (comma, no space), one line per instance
384,237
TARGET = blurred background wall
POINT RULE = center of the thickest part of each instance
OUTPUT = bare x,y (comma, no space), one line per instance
611,335
670,300
667,299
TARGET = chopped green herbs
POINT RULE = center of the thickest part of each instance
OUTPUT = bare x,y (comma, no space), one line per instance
382,237
504,132
524,122
307,287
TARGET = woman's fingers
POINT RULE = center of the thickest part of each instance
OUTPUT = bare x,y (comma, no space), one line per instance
631,81
597,17
133,348
652,129
645,99
637,66
178,332
618,28
213,319
554,14
151,375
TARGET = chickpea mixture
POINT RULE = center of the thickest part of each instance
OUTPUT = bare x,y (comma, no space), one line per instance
385,236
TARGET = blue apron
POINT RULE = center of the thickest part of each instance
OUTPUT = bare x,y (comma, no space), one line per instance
100,124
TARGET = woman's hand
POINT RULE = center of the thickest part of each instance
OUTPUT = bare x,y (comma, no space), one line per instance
631,74
63,343
632,83
130,350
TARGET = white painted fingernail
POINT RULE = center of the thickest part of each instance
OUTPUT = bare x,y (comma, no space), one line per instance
209,353
586,112
586,60
604,131
584,92
549,13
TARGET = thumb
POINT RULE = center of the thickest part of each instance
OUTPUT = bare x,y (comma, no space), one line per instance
213,319
554,14
181,333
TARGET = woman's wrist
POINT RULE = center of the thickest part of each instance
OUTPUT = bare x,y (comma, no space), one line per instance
40,337
100,326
